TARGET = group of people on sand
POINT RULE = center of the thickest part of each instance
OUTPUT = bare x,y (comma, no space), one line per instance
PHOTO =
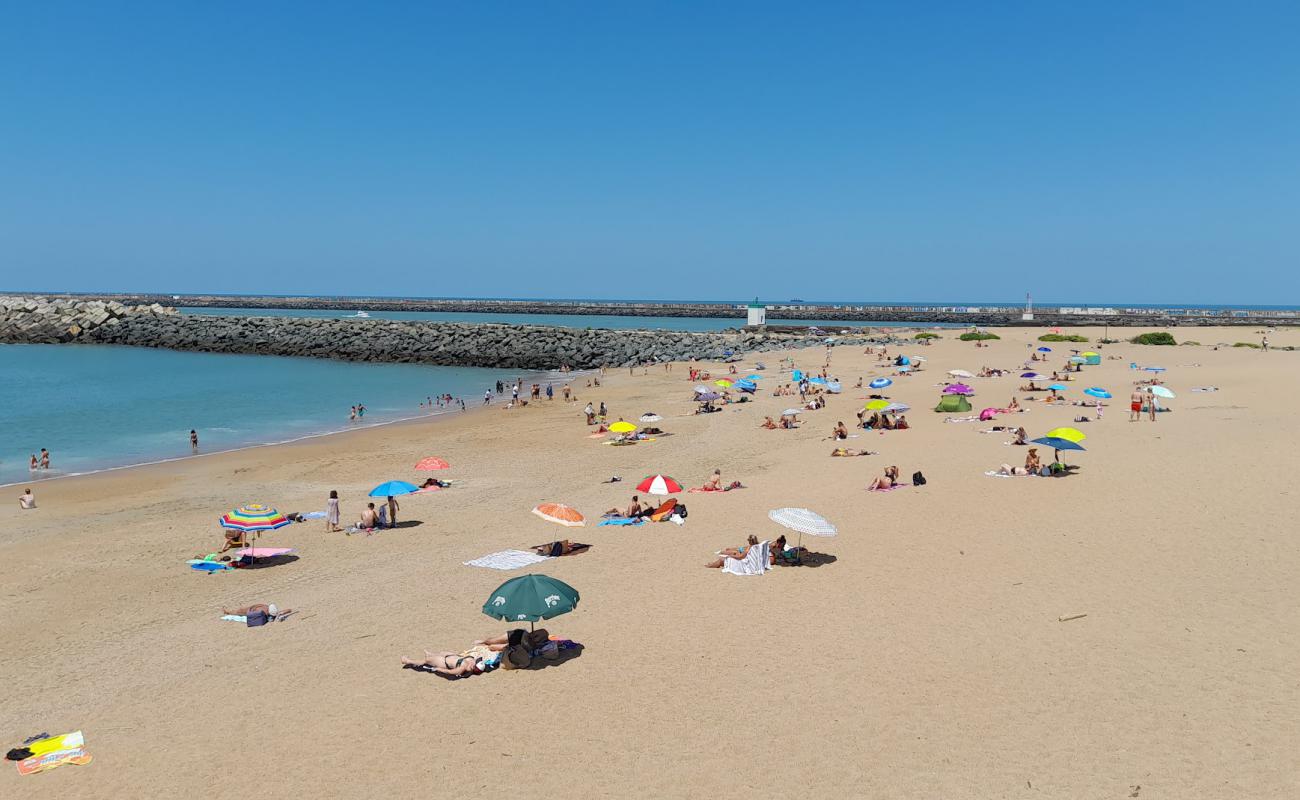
514,649
778,553
882,421
787,422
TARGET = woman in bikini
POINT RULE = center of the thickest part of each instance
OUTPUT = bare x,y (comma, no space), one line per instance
886,481
714,483
732,552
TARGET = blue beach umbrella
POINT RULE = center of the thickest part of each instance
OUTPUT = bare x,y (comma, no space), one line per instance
745,386
796,375
1060,387
393,488
904,369
1097,391
1057,443
753,377
881,383
817,379
1044,349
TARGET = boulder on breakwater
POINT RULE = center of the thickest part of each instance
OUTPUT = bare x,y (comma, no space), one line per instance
532,347
42,320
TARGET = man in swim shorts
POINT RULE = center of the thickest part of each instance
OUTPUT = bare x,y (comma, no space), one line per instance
1135,406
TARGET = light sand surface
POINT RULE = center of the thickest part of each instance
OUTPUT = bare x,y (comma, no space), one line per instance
926,661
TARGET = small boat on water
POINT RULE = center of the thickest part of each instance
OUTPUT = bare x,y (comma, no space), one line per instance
360,315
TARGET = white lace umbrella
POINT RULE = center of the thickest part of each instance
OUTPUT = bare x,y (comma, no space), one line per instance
960,373
803,521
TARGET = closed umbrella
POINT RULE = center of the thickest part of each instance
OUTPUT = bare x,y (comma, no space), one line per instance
881,383
661,485
803,521
531,598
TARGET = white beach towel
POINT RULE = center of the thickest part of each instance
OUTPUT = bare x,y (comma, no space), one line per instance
996,474
757,560
507,559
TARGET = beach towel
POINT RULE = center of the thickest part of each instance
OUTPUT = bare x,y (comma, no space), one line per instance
507,559
44,762
757,560
235,618
664,510
210,566
995,474
263,552
620,521
314,515
1205,389
892,488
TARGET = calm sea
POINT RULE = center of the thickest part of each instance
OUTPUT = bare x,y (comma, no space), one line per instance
96,407
560,320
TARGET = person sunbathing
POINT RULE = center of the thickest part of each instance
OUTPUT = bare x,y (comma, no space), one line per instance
473,661
559,548
732,552
1014,405
633,510
787,422
272,611
233,539
1033,465
1022,437
431,482
901,423
714,483
844,452
515,636
886,481
839,431
768,424
780,554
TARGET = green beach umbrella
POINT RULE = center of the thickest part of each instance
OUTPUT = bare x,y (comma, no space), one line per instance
531,598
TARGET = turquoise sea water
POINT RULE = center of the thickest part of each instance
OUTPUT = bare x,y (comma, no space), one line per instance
96,407
560,320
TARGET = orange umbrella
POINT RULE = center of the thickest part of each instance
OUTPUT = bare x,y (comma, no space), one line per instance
431,463
558,512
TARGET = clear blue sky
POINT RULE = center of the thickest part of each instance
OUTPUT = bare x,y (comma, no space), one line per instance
1127,151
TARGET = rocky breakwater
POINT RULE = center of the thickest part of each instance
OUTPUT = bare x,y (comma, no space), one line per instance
42,320
531,347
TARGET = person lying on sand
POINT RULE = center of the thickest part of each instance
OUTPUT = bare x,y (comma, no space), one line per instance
473,661
844,452
886,481
768,424
431,482
1033,465
558,548
732,552
714,483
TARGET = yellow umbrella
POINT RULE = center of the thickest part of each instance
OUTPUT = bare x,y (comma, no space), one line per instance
876,405
622,427
724,383
1068,434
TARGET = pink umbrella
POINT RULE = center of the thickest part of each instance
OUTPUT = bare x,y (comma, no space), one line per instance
988,414
958,388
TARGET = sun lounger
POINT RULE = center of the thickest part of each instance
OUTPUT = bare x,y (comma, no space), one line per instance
757,560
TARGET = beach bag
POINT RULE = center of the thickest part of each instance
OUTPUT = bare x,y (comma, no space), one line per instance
680,510
918,479
257,618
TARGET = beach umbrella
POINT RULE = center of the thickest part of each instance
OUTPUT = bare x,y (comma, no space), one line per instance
561,514
1088,353
622,427
531,598
877,405
1160,391
1154,369
702,389
1072,434
431,463
745,386
817,379
834,387
753,377
803,521
904,369
790,412
1097,391
918,358
1060,387
881,383
958,388
707,396
393,488
897,407
254,518
1057,443
1033,376
796,375
659,484
649,417
723,382
1078,360
1044,349
960,373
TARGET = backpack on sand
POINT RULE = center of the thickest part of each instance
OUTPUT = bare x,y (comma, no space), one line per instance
918,479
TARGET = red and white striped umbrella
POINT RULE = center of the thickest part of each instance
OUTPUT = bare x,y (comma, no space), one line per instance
659,484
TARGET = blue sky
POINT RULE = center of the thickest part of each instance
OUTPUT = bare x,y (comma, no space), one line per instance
1140,152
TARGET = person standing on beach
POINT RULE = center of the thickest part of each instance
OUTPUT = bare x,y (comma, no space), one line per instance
1151,401
567,392
194,439
34,463
352,415
550,392
1135,406
392,511
1264,344
589,411
332,512
361,411
603,413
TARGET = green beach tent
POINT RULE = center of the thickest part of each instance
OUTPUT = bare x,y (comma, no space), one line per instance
953,402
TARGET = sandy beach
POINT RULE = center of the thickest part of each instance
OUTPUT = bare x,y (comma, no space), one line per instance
927,659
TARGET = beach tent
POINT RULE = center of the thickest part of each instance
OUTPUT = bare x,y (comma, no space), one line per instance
1091,358
953,402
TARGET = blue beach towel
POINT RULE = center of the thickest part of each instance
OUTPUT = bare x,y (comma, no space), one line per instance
620,521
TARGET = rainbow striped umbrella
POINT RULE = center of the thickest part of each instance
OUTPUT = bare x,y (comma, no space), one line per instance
254,517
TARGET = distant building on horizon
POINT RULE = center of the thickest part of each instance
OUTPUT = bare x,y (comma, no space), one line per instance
757,313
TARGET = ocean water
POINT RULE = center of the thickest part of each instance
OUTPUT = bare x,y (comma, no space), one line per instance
612,321
96,407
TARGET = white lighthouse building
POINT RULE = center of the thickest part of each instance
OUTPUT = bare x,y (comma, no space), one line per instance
757,313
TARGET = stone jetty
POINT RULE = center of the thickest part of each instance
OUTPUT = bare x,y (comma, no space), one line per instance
532,347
